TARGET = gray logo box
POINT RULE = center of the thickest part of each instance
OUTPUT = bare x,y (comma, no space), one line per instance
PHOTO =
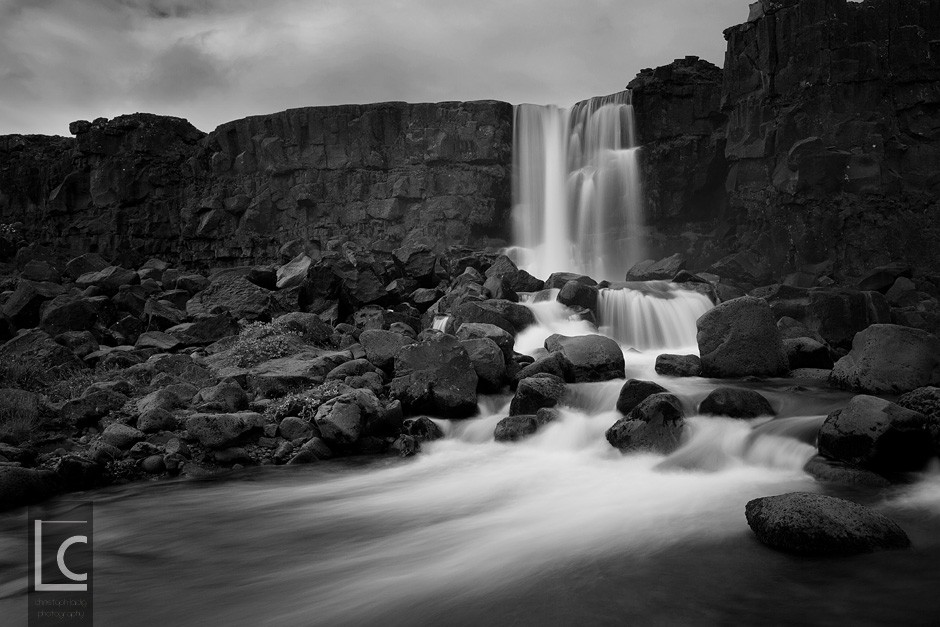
61,564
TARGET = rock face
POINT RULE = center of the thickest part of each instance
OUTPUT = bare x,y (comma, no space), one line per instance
878,435
814,524
365,173
740,338
889,359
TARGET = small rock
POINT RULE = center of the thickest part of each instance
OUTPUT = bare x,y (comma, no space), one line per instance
736,403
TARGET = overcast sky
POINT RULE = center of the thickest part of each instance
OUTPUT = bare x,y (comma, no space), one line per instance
211,61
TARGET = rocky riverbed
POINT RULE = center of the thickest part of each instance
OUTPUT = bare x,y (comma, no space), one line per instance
113,374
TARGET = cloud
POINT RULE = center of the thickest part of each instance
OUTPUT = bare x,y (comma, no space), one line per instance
215,60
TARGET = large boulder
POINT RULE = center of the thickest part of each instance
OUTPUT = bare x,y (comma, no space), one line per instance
739,338
219,431
514,428
876,434
382,346
478,330
654,425
109,280
588,358
435,377
36,347
736,403
509,316
293,273
342,419
814,524
488,362
234,294
927,402
662,270
535,393
24,305
889,359
678,365
635,392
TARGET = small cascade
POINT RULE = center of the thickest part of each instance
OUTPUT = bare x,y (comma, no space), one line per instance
440,323
576,188
659,315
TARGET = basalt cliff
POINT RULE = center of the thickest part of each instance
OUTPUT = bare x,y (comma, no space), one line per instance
814,152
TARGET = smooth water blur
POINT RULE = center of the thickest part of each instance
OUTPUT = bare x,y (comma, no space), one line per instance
558,529
577,195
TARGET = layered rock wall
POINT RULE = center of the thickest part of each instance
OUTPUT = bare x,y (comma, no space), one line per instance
309,178
828,113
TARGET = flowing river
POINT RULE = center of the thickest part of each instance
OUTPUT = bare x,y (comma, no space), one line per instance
559,529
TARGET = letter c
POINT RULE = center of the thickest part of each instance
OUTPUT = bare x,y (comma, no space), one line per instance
60,558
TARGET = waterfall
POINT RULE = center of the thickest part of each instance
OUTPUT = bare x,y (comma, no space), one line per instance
652,315
577,203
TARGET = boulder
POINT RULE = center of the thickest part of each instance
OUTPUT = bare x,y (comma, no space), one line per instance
422,429
509,316
927,402
219,431
515,428
293,428
881,279
109,280
819,525
164,342
235,295
24,305
294,272
122,436
342,419
588,357
662,270
157,419
833,471
577,294
634,392
889,359
488,362
678,365
436,377
654,425
382,346
224,397
87,409
478,330
416,261
85,264
38,348
736,403
536,392
205,330
876,434
67,313
557,280
307,325
739,338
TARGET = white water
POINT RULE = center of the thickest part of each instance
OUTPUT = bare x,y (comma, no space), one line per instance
661,316
577,201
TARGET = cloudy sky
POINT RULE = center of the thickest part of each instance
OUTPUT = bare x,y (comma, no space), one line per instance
216,60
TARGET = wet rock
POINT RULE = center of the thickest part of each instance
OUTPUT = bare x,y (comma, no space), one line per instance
536,392
422,428
557,280
654,425
739,338
509,316
736,403
382,346
876,434
436,377
634,392
406,446
488,362
577,294
889,359
342,419
552,364
814,524
588,357
515,428
478,330
678,365
833,471
78,473
662,270
222,430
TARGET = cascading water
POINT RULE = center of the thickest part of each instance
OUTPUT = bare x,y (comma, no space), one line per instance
654,315
576,188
